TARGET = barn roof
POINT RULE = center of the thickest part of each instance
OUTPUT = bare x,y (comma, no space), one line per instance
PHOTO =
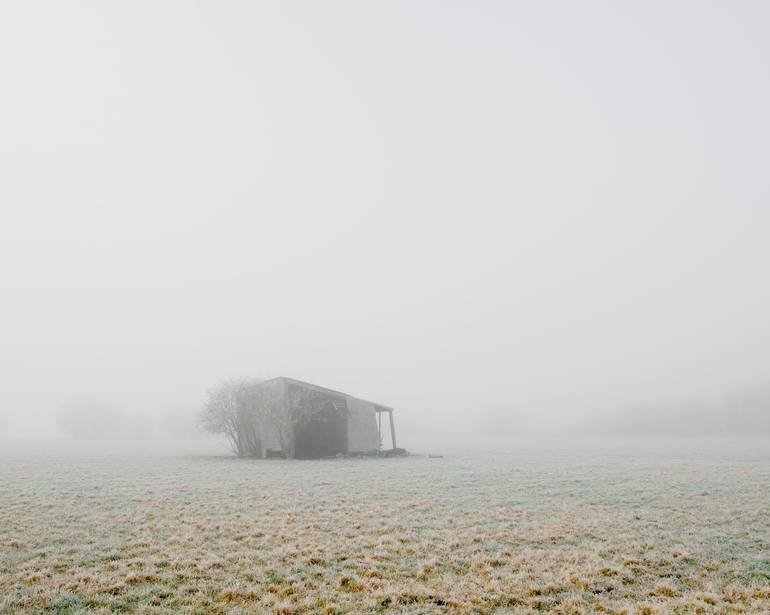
327,390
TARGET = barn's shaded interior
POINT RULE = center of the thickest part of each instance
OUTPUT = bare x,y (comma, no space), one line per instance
321,429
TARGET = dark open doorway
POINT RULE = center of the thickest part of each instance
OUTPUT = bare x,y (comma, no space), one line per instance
322,428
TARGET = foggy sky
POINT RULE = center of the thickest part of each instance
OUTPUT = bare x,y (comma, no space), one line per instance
456,209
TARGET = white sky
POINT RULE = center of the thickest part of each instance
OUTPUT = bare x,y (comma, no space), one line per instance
457,207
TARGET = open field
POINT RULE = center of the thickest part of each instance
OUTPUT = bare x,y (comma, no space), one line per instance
613,527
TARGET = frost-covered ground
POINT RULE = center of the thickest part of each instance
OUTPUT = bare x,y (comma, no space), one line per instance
680,526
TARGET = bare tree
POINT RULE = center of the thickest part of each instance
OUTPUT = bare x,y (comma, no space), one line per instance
230,409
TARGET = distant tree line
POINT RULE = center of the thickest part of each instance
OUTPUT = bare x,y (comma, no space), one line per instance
93,418
88,418
744,412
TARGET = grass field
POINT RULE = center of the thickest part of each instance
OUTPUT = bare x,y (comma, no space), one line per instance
597,527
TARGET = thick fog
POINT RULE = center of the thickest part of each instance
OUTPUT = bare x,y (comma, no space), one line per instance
495,217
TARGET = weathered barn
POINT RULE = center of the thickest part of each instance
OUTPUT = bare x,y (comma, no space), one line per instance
321,422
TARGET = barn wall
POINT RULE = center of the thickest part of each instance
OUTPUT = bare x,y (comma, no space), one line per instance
362,427
268,436
265,428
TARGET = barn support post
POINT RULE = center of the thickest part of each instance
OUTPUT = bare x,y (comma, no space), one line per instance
392,430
